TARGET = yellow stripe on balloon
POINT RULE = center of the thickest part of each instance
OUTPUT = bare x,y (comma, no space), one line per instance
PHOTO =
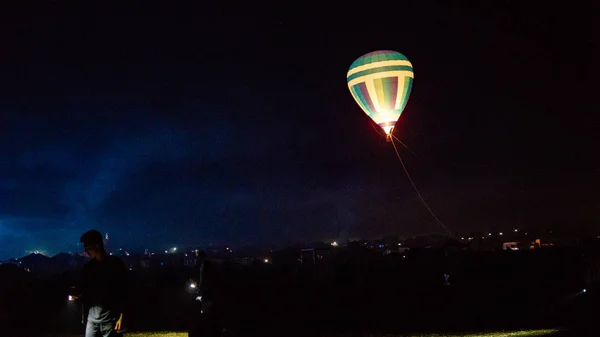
373,94
379,64
395,73
399,97
379,91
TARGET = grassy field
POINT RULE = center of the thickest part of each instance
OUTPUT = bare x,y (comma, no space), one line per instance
526,333
156,334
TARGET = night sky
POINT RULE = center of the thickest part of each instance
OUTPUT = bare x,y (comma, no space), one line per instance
233,124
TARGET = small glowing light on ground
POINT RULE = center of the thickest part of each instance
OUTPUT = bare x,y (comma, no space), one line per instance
266,260
501,233
192,285
71,298
334,243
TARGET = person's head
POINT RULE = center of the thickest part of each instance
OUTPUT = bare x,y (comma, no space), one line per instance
201,255
93,244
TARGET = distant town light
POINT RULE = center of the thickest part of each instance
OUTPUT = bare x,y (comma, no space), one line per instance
266,260
516,230
334,243
490,234
501,233
584,290
71,298
193,285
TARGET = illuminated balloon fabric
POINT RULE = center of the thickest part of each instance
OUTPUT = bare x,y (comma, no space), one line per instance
381,82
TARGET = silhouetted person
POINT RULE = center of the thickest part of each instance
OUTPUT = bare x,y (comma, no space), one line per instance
104,288
207,322
206,283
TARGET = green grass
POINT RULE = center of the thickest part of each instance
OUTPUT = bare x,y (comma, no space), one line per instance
156,334
524,333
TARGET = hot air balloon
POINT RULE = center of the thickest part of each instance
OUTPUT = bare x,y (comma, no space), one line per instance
381,82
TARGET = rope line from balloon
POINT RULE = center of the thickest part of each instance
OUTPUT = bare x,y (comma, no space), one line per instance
401,143
417,190
378,129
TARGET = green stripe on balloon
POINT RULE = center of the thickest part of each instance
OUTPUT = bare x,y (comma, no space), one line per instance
387,99
382,55
407,89
361,100
379,70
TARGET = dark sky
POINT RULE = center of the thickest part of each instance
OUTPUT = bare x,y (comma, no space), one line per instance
233,124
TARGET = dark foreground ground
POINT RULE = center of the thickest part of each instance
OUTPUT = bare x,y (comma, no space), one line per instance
357,296
523,333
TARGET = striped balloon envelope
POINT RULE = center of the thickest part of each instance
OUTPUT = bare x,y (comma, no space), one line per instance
381,82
